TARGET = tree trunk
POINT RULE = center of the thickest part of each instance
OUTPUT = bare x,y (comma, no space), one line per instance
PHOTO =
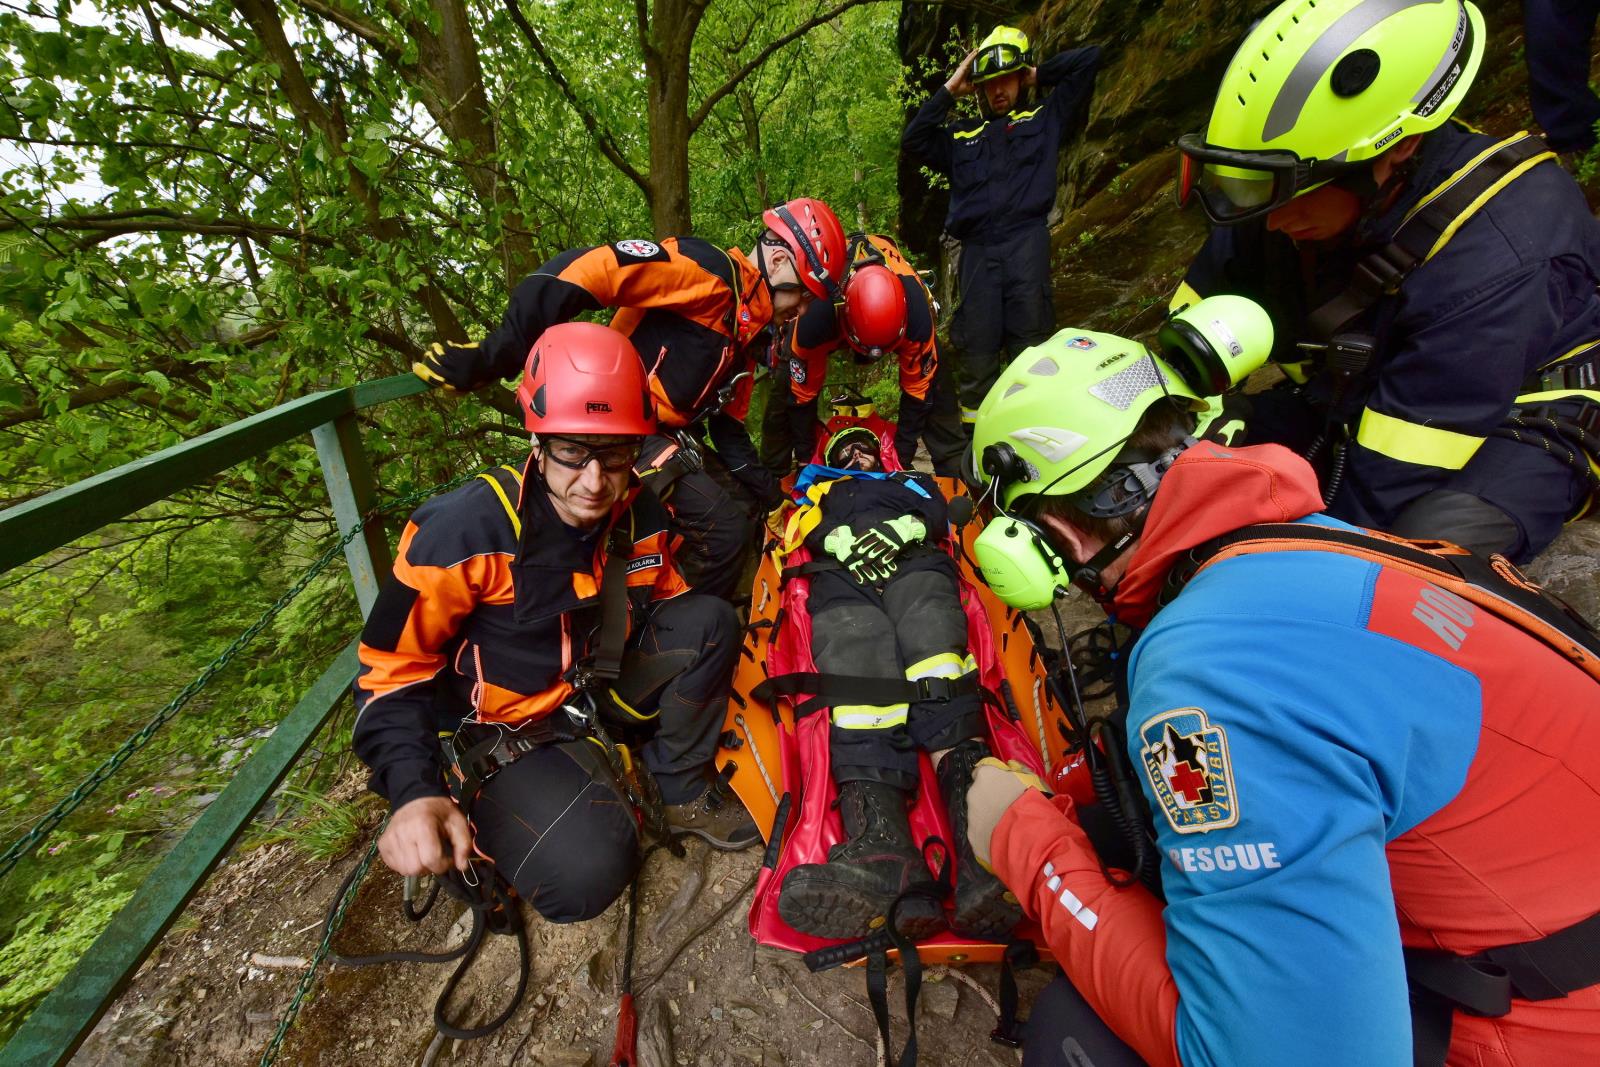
672,28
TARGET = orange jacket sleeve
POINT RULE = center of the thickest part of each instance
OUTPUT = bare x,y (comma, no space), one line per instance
1109,940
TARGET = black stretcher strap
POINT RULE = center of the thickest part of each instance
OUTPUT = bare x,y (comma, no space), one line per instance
829,689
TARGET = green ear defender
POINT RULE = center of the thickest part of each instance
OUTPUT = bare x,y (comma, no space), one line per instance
1019,564
1217,343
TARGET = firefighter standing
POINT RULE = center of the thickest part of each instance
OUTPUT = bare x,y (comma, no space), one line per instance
1002,170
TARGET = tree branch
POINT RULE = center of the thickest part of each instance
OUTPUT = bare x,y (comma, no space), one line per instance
154,220
762,56
608,147
373,35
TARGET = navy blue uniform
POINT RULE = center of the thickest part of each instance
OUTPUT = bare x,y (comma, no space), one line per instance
1558,38
1513,290
1002,174
910,626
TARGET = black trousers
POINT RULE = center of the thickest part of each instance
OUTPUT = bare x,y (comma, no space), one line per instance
556,822
718,523
911,626
936,419
1557,38
1064,1031
1006,305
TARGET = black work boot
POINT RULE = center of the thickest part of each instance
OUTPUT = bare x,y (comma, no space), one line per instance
849,896
984,906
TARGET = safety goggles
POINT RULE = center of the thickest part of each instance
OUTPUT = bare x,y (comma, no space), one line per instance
576,455
1233,186
996,60
850,451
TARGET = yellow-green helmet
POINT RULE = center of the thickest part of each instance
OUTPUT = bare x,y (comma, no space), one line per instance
1004,51
1320,85
1059,415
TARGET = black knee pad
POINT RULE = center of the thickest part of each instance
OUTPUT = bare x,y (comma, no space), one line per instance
560,831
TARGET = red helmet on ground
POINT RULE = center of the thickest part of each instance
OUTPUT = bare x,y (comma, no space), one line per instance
874,310
812,232
582,377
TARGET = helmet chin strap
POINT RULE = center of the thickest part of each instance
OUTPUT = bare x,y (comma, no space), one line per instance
1087,576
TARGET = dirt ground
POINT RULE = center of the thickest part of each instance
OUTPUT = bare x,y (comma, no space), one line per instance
707,994
215,992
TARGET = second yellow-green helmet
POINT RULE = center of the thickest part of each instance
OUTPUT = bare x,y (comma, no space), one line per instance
1320,85
1004,51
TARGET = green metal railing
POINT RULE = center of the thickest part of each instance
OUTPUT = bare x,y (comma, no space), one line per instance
59,1025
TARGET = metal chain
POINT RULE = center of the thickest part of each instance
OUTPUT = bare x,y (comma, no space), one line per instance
309,978
68,804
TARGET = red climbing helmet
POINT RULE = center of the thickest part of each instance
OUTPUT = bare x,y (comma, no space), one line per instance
582,377
874,310
812,232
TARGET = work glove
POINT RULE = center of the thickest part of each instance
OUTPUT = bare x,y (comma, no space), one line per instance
995,787
872,555
448,366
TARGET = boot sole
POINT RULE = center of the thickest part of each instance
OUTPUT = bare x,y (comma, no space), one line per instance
987,913
825,910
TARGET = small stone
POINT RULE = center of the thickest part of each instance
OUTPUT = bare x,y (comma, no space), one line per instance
743,1014
779,997
691,985
941,999
716,1015
672,1005
816,1024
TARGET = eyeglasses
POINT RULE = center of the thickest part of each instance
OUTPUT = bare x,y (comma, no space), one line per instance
1233,186
848,453
575,455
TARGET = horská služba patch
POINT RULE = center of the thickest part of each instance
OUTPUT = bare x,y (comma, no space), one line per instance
1186,759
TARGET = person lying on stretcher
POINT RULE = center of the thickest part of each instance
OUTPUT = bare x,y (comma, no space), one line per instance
889,607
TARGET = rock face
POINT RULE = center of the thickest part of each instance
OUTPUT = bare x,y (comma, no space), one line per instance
1121,244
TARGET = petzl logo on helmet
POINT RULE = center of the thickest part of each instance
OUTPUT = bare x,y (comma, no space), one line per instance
1191,774
1052,442
597,407
1083,343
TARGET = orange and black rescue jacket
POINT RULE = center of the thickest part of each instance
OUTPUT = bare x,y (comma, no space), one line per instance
493,603
819,332
698,315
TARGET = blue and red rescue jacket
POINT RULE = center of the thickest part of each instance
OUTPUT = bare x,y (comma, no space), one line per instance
1339,762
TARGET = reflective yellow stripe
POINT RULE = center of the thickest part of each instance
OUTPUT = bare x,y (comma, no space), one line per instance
969,414
1482,198
505,501
1459,174
962,135
1580,350
1411,442
942,665
1019,116
1184,297
625,706
869,716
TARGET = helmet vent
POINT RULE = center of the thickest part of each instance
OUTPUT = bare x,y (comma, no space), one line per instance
1121,389
1045,367
1013,390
